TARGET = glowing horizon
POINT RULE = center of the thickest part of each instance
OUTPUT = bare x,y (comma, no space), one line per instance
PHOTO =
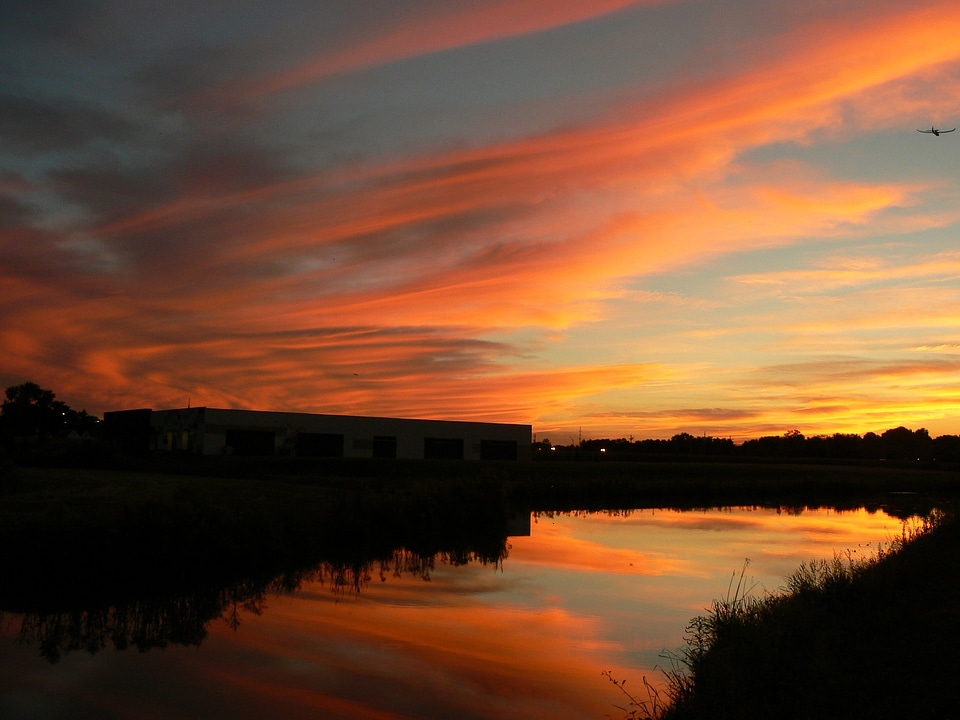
621,218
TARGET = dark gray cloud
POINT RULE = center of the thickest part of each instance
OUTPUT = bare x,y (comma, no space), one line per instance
14,213
29,125
54,21
143,196
110,191
199,81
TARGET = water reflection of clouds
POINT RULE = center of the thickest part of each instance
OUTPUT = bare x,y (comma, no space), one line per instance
556,545
812,525
525,638
440,659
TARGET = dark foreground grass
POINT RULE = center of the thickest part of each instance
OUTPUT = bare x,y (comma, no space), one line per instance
78,537
871,639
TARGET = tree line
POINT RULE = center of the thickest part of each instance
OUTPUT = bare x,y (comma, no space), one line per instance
898,444
31,413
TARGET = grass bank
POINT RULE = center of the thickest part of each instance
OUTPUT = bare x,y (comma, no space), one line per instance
544,484
88,536
872,639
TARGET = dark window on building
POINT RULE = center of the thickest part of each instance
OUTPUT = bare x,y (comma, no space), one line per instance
320,444
250,442
498,449
384,447
443,448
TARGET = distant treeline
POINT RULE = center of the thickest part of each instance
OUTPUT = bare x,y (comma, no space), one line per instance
897,444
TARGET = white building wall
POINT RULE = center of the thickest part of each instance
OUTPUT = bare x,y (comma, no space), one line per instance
205,430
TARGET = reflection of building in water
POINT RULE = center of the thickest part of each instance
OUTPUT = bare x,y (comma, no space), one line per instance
212,431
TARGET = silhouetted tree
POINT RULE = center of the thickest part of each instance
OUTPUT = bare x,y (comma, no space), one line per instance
30,411
872,447
683,443
901,443
898,444
844,445
793,445
947,448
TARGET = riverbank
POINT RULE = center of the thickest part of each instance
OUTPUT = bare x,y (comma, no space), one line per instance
84,537
872,640
92,537
131,525
541,484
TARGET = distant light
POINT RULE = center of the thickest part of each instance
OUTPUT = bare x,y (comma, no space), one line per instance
603,449
553,447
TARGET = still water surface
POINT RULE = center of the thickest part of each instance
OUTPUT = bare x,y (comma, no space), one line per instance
524,638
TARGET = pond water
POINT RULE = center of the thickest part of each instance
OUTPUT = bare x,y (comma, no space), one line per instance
525,637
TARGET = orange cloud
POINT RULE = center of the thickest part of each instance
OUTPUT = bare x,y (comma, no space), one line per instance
851,272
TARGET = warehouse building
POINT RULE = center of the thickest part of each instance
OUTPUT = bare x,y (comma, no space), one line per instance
213,431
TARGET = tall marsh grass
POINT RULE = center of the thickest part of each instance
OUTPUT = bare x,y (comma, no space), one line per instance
861,635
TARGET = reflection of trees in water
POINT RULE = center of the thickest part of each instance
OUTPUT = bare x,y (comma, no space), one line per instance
903,506
354,576
142,624
182,619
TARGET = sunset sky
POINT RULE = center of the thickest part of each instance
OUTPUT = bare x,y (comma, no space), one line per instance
634,218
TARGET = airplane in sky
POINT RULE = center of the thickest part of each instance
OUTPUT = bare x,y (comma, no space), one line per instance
935,131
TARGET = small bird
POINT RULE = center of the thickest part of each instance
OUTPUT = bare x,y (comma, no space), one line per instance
936,132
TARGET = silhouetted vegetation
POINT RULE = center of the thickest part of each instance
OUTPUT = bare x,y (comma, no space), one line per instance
847,638
897,445
31,416
82,536
182,617
141,559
